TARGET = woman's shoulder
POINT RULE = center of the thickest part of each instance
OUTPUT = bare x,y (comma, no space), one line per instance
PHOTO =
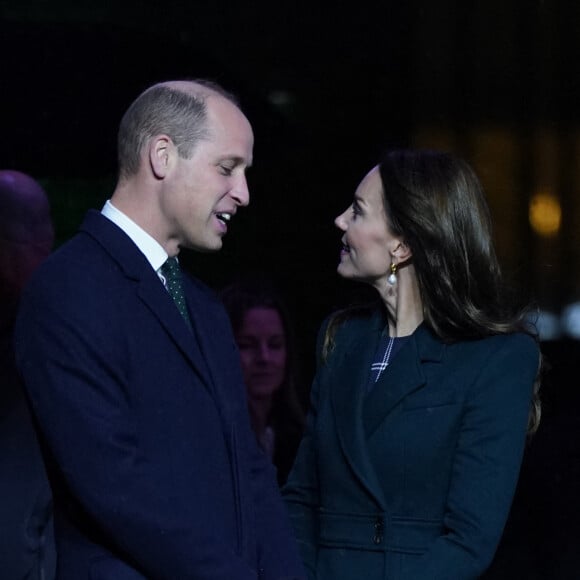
348,321
519,347
342,328
518,341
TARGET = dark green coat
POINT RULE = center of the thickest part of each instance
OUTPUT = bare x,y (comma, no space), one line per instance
415,480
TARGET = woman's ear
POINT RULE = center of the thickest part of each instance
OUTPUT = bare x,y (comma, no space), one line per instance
402,252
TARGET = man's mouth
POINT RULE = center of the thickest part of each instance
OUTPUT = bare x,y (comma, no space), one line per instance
224,217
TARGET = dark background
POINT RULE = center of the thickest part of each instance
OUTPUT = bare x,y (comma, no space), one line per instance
327,87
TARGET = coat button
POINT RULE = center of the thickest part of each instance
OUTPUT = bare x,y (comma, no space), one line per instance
379,527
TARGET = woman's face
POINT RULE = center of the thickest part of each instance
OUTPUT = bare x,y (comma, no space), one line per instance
367,239
262,344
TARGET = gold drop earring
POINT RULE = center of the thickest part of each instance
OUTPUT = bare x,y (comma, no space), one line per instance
392,279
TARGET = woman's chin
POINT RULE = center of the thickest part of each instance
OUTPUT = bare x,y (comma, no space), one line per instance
343,270
258,392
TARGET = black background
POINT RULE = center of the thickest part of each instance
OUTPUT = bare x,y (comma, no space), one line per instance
327,86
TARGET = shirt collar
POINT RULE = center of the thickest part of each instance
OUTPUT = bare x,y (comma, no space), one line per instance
150,247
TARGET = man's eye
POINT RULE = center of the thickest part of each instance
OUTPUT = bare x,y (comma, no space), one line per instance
225,170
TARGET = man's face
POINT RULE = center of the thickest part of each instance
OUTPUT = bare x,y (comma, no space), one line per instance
202,194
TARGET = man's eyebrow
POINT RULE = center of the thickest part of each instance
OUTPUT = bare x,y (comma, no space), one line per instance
237,160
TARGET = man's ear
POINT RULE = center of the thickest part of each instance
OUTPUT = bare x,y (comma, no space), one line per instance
160,153
402,252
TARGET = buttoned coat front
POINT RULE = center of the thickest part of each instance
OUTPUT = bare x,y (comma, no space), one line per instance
155,470
414,480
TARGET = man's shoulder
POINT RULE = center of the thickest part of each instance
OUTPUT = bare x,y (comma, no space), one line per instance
78,255
86,267
94,248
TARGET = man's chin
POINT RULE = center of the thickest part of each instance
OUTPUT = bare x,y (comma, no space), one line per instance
207,248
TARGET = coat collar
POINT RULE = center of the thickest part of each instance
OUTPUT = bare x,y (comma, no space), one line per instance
358,415
150,290
403,376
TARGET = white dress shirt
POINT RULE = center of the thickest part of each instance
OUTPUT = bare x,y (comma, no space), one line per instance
150,247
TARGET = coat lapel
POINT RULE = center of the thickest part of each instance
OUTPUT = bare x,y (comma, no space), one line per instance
358,414
155,296
208,331
149,287
348,394
402,377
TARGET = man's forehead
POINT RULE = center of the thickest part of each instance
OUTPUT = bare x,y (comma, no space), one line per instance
188,87
229,126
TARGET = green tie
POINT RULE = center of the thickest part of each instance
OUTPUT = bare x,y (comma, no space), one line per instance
172,274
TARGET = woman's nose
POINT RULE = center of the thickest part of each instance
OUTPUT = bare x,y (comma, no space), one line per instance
340,221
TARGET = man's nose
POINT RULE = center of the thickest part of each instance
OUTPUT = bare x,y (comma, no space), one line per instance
240,191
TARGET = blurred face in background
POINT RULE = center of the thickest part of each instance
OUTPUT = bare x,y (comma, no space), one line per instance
262,344
26,231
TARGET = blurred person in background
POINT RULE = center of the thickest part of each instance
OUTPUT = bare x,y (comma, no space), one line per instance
27,550
265,338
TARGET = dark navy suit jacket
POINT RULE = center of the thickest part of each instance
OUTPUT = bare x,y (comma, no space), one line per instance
154,467
413,481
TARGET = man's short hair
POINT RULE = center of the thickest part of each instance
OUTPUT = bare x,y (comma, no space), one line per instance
162,109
